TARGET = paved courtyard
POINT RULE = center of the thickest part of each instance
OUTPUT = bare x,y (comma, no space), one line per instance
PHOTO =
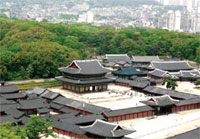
116,97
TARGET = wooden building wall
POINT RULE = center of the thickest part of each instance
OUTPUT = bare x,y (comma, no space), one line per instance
71,134
149,113
185,107
86,88
122,84
130,116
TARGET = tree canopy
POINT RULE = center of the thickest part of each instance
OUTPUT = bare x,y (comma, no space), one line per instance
37,128
170,84
8,131
30,49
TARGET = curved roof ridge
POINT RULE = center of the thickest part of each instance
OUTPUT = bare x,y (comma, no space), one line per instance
169,61
116,55
98,120
193,70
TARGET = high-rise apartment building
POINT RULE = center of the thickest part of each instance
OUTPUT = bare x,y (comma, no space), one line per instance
174,20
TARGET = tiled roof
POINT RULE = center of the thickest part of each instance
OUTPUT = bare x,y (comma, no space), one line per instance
106,129
85,67
145,58
8,89
171,65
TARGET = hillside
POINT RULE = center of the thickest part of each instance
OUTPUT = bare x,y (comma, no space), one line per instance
31,49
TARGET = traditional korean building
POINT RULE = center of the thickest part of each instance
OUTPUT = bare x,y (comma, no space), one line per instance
190,75
123,82
157,76
9,118
171,66
83,107
62,116
31,106
68,129
139,61
49,95
14,96
137,85
83,120
127,72
11,92
187,104
102,129
117,58
128,113
84,76
162,104
134,84
8,89
37,90
182,75
15,113
157,91
6,105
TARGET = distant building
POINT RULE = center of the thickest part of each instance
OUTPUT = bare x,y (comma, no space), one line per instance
82,18
86,17
174,20
90,17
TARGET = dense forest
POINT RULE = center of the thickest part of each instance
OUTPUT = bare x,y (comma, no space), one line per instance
30,49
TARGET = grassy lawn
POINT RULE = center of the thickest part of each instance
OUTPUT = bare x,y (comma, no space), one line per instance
45,84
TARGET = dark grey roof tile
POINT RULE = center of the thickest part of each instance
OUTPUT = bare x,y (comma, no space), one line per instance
172,65
68,127
49,94
85,67
14,112
8,89
127,111
83,119
145,58
32,104
106,129
91,81
14,96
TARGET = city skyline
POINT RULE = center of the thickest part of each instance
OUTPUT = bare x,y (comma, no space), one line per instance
174,15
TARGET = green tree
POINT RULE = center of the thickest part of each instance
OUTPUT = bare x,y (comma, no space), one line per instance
197,82
8,131
170,84
131,47
198,54
38,127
